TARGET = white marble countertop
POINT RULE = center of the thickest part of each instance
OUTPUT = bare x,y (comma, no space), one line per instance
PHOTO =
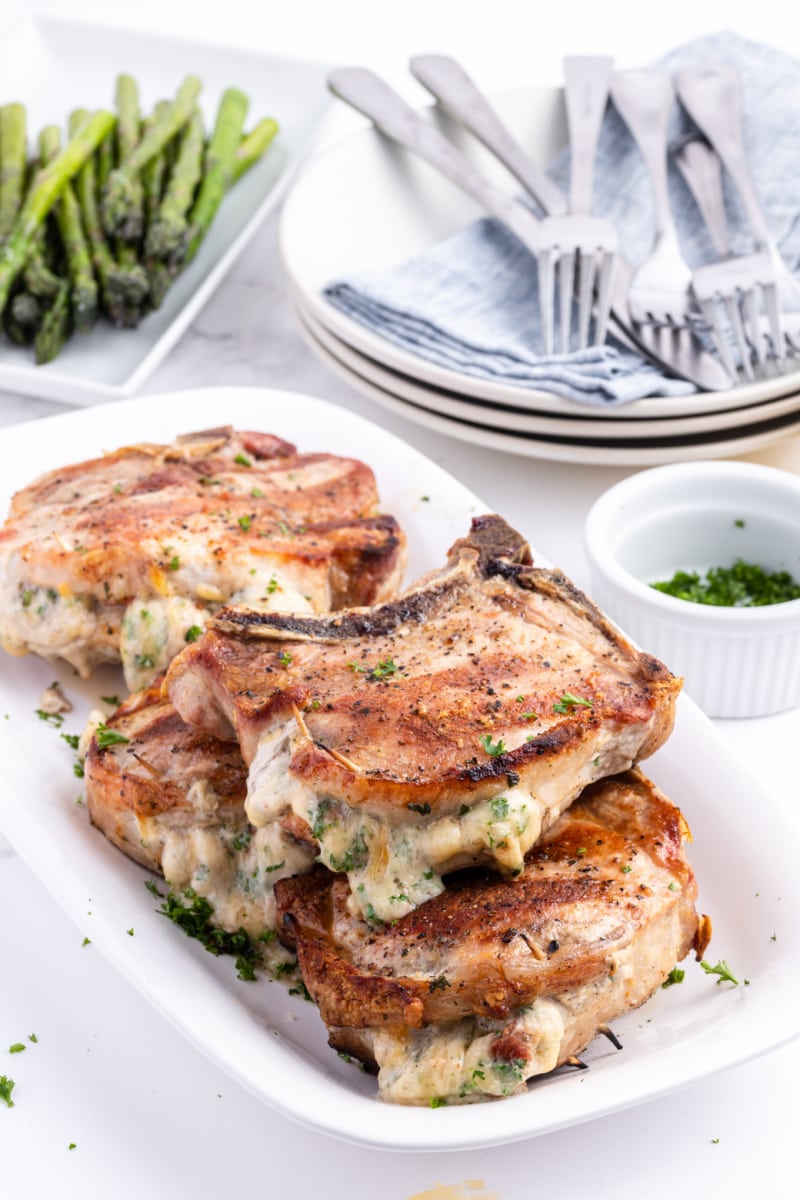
148,1114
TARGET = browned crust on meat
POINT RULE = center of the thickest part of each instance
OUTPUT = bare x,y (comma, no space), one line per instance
414,736
487,946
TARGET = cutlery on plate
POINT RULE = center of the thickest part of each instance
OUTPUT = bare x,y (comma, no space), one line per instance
580,239
660,290
572,236
702,173
370,95
681,354
712,96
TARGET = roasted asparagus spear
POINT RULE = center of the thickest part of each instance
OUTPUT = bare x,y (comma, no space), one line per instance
219,166
124,185
169,231
253,145
14,152
47,186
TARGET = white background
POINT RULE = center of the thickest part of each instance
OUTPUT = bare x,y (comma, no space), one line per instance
148,1114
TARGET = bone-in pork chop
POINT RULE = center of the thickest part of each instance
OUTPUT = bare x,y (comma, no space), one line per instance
126,556
494,981
448,727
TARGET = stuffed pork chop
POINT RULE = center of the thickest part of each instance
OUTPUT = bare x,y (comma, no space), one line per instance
126,556
172,798
493,981
448,727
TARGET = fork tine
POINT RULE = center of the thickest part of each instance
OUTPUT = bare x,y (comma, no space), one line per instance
734,316
587,272
772,305
566,285
753,326
603,304
546,298
719,334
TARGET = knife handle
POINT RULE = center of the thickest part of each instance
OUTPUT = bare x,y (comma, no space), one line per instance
449,83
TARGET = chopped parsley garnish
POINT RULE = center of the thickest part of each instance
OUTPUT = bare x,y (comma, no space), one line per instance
285,659
626,869
722,969
439,984
78,769
422,809
581,852
463,810
152,887
272,586
173,563
744,585
109,737
245,523
27,596
275,867
192,913
129,931
17,1047
144,661
676,975
438,1102
493,748
739,523
499,807
385,667
193,633
354,858
243,460
318,824
530,716
284,528
32,1038
86,942
72,1146
112,700
6,1088
242,840
71,739
54,719
301,990
256,493
568,702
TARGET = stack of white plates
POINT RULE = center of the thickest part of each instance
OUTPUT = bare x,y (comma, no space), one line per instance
366,205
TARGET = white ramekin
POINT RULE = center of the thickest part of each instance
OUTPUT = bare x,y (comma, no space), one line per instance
737,662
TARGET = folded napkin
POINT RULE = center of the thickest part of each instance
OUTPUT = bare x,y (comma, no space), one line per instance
471,303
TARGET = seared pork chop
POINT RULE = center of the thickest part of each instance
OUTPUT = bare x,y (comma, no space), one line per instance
448,727
125,556
493,982
172,798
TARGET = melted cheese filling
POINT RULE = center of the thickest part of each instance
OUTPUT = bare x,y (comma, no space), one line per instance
235,869
459,1063
392,868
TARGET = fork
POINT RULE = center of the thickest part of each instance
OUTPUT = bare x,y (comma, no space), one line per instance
660,291
712,97
702,172
578,238
569,235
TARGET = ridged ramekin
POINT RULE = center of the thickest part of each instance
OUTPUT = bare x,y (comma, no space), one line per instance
736,662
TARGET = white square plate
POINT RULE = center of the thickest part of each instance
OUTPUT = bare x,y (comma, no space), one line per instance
744,850
52,66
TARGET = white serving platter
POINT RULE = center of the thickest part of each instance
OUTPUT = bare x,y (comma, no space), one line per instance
274,1044
52,66
366,204
608,452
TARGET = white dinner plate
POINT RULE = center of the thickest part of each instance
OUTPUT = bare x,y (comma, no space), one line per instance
366,204
273,1043
52,66
500,417
645,452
